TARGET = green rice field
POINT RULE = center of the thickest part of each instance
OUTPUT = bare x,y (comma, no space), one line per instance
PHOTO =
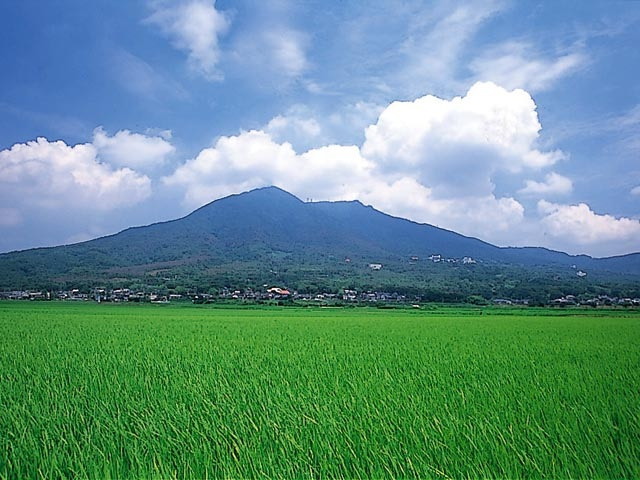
164,391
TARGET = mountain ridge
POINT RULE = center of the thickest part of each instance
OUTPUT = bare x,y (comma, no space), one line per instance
271,230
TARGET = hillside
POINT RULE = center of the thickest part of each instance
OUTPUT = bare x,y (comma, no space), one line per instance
268,235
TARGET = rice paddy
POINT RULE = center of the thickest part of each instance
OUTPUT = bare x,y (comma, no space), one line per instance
154,391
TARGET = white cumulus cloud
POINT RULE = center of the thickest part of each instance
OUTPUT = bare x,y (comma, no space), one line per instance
134,150
554,184
581,225
54,175
254,159
459,144
193,26
485,216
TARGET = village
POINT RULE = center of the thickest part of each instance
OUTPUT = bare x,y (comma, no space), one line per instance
284,296
226,294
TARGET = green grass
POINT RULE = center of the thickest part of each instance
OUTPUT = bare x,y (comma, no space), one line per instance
132,391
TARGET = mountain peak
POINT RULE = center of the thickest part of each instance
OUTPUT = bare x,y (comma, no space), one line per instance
257,197
270,194
271,191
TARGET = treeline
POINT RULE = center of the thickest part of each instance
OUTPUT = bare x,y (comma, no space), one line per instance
441,282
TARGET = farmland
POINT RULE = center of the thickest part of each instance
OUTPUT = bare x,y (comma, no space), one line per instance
130,391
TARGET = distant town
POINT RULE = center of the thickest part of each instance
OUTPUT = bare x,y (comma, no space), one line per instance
283,296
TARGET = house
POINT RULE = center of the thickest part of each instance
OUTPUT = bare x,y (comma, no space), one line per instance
566,300
502,301
350,295
581,274
375,266
278,291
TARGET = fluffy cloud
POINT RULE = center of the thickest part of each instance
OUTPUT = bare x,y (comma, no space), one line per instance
518,65
126,149
554,184
53,193
484,216
53,175
254,159
581,225
234,164
193,26
458,144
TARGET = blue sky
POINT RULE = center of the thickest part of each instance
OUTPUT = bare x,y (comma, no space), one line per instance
515,122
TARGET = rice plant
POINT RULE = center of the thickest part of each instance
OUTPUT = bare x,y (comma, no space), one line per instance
142,391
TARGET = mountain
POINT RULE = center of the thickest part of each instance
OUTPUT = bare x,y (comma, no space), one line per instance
268,235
